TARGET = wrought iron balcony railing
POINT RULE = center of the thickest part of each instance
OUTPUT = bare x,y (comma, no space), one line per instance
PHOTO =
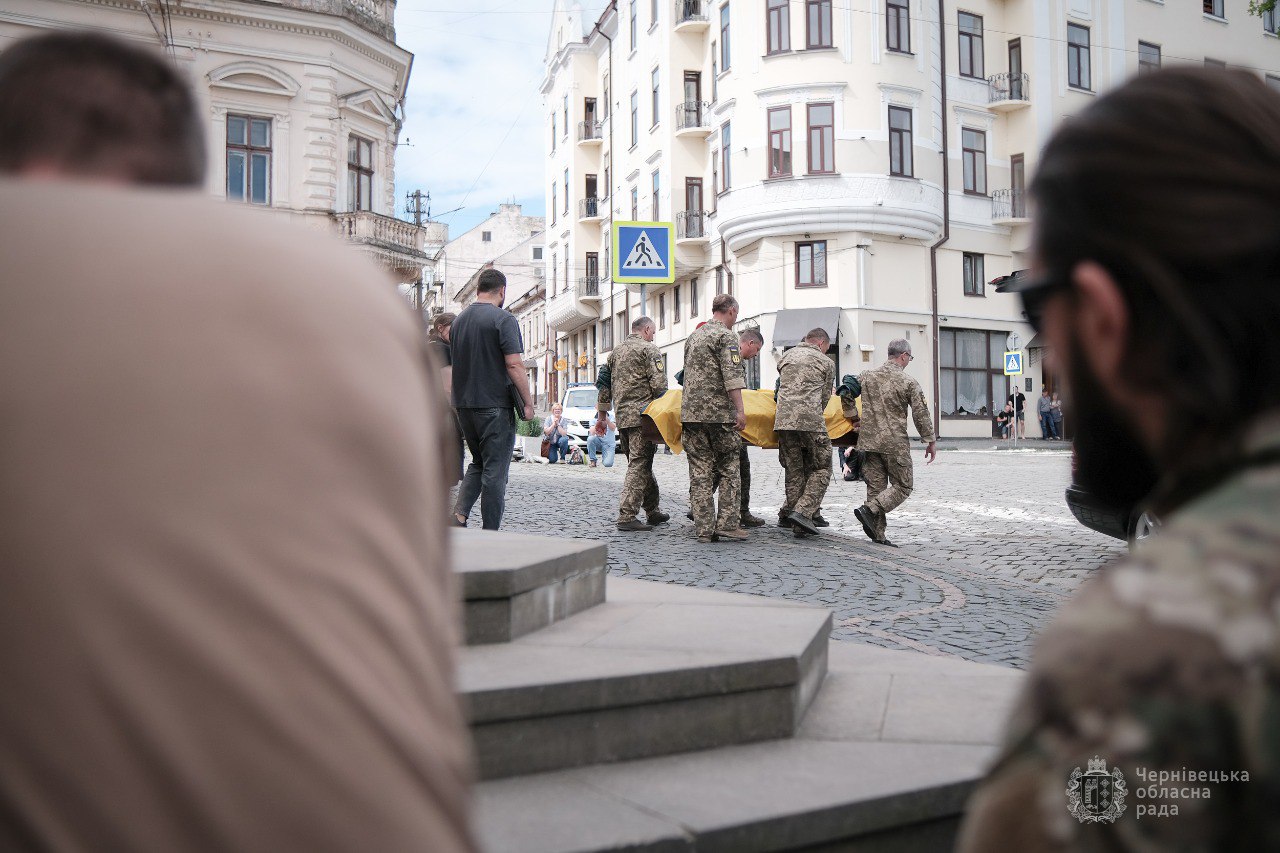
1009,204
691,224
1008,87
588,131
589,208
693,114
691,11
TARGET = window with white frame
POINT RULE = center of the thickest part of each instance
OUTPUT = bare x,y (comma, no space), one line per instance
974,268
973,146
822,138
811,264
778,25
1079,69
971,372
1148,57
724,37
898,25
900,142
818,24
780,142
249,159
970,32
359,173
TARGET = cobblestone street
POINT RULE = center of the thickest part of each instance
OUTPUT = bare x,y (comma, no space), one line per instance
988,547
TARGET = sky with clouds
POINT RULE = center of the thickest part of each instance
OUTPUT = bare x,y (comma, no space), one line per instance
473,134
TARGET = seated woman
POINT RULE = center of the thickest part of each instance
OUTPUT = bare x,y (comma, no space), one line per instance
555,429
602,440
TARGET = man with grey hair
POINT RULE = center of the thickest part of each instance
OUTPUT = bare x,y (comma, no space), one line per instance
637,377
887,393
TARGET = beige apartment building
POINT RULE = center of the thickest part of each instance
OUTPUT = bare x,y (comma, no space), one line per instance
304,101
860,166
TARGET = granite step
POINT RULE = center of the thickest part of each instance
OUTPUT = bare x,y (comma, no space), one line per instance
883,762
513,585
641,675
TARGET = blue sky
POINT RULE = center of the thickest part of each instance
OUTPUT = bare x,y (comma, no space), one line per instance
473,135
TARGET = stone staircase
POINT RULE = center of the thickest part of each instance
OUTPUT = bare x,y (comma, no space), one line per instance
668,718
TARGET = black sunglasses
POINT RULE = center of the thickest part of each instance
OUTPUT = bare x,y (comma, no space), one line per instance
1034,290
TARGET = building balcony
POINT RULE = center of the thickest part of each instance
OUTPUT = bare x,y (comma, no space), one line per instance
1009,207
590,210
693,118
905,208
376,16
590,133
567,312
692,16
692,225
1008,92
591,287
392,243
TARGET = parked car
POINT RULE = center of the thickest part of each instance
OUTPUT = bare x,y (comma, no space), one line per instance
579,402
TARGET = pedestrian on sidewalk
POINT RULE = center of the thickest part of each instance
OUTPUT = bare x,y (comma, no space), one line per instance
637,377
1055,416
1004,421
887,393
1044,413
806,377
555,431
712,413
1157,288
602,441
488,381
1019,401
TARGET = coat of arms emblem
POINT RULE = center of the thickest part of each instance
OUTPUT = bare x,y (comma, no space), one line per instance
1096,796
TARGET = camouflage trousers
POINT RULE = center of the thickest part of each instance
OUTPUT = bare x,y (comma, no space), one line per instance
713,451
806,461
639,488
889,482
744,485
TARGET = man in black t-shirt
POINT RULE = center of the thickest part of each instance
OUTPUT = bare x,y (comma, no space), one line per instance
1019,401
488,381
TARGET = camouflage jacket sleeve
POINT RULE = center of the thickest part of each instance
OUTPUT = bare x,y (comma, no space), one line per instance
657,373
920,412
735,377
1165,667
828,385
604,401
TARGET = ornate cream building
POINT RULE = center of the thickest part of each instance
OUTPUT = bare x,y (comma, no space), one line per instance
860,166
305,100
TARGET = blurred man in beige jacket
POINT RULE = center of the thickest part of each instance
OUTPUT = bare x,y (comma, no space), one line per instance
225,609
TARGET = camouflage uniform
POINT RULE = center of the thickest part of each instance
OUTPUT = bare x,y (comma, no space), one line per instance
636,379
887,391
712,367
1167,660
806,377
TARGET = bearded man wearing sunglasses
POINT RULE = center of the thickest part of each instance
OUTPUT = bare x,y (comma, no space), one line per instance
1156,282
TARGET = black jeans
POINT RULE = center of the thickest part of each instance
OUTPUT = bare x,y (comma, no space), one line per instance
490,435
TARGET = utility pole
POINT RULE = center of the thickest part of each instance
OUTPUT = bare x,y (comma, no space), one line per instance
418,205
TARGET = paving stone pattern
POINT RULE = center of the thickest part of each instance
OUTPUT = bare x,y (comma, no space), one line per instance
988,547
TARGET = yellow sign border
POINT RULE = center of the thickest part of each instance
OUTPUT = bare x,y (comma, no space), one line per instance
616,262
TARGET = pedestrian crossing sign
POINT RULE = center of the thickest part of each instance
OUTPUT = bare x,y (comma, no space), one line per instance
1013,364
642,252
